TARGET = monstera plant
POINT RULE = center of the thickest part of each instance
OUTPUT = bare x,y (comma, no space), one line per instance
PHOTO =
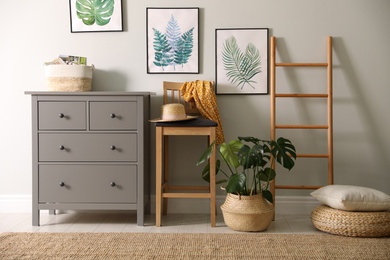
248,204
91,11
249,161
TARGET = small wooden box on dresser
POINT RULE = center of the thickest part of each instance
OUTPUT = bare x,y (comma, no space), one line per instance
90,151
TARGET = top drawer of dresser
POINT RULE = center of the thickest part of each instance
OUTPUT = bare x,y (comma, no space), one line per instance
110,115
62,115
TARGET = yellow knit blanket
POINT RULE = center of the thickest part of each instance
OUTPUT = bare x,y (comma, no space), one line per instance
206,102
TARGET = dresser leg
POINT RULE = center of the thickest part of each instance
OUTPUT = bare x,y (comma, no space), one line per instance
35,217
140,217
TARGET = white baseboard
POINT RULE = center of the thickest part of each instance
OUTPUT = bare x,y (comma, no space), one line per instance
15,203
295,205
284,204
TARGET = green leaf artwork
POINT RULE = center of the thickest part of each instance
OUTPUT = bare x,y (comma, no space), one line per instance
162,49
173,35
184,47
240,66
172,48
91,11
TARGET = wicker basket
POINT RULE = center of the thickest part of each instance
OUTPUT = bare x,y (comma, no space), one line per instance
247,213
351,223
68,77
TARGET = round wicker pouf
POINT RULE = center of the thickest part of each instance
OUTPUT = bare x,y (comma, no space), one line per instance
351,223
247,213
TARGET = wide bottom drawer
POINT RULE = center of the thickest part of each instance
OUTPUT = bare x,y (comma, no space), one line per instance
87,183
73,147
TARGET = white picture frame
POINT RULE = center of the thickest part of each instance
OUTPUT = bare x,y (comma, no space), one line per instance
109,19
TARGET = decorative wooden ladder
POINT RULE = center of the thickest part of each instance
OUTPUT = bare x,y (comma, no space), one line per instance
329,125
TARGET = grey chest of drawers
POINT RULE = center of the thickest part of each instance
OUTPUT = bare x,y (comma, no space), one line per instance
90,151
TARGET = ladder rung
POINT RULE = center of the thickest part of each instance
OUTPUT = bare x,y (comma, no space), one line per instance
301,187
186,195
302,126
313,155
303,95
301,64
206,188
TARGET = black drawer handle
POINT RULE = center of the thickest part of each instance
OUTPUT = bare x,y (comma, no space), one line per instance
113,184
112,115
61,115
112,147
62,184
62,147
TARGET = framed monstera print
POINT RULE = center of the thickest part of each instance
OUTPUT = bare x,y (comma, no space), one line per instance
241,61
172,40
96,16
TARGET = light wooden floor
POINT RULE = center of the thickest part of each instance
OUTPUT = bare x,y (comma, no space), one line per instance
126,222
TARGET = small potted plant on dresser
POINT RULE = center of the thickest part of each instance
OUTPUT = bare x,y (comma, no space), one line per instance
248,205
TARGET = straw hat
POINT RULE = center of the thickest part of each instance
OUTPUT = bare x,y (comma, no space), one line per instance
173,112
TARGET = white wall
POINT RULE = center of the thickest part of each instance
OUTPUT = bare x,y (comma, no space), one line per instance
37,31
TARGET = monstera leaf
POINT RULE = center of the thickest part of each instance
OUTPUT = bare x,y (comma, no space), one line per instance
281,150
236,183
250,157
229,153
91,11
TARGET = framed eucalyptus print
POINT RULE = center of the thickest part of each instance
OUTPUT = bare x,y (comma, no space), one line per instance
241,61
172,40
96,16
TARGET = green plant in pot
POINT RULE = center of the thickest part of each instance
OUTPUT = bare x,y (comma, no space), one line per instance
248,205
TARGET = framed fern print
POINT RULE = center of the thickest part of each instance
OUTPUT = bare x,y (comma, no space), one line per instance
241,61
96,16
172,40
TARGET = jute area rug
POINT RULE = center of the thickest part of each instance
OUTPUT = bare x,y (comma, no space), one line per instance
189,246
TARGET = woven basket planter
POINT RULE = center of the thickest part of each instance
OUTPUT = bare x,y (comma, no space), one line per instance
247,213
68,77
351,223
